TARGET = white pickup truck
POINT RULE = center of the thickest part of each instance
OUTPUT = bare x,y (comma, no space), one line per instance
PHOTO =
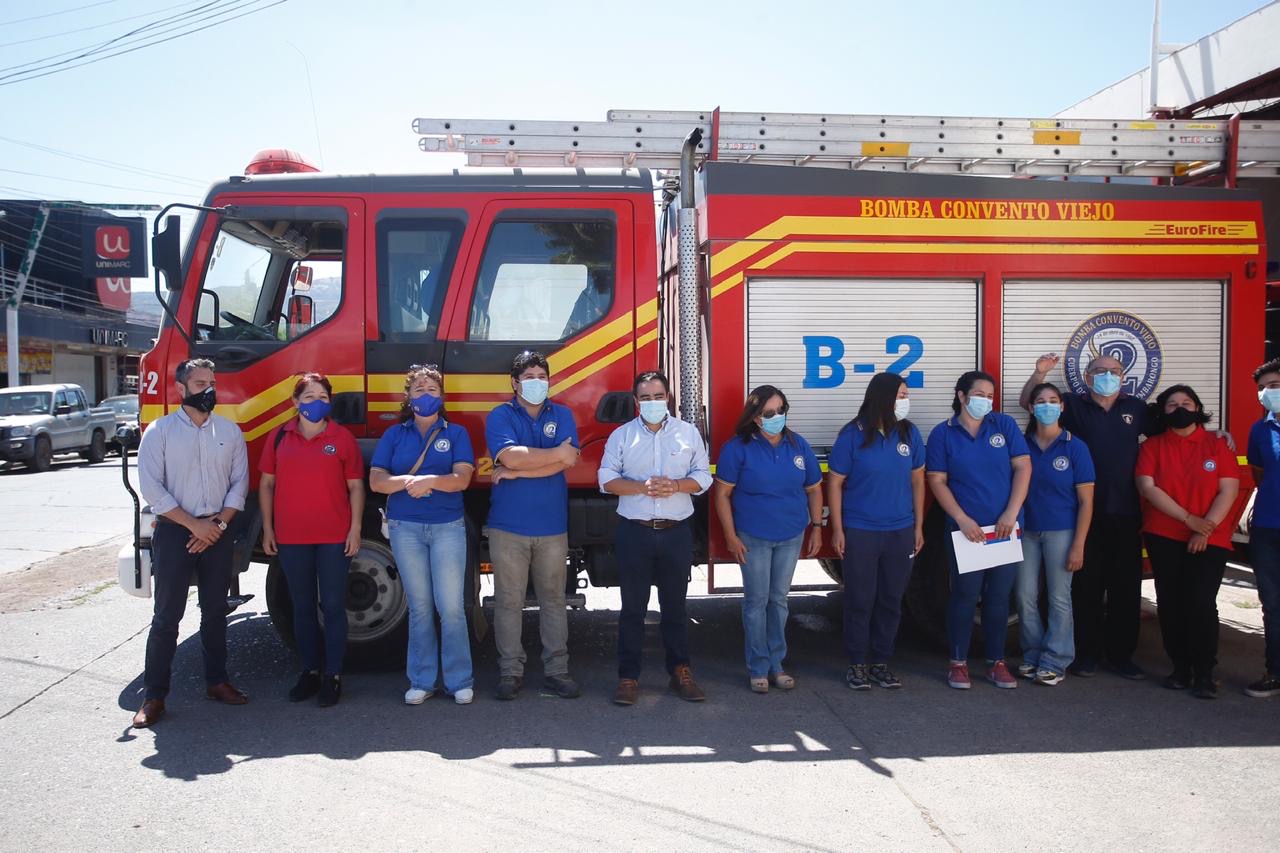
38,421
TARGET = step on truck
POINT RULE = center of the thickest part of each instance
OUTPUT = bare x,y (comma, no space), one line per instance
808,252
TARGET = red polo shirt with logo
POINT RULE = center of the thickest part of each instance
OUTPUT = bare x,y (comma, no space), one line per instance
311,505
1187,469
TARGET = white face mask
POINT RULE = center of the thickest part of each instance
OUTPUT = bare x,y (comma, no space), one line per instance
653,411
1270,399
902,408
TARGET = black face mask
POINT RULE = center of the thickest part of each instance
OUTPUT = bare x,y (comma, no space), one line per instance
204,401
1180,418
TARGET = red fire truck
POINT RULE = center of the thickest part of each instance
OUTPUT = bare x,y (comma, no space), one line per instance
868,258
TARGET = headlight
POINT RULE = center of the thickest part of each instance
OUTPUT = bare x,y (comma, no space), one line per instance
20,432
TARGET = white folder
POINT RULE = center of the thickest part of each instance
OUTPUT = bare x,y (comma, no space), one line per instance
974,557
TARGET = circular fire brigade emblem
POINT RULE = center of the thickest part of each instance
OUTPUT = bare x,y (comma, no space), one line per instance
997,440
549,429
1061,463
1210,465
443,445
329,450
1122,336
904,449
798,461
1128,419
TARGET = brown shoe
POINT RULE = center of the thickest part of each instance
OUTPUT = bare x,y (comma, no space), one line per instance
150,712
628,690
227,694
685,687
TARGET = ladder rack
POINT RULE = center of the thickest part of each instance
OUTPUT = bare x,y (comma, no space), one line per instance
926,144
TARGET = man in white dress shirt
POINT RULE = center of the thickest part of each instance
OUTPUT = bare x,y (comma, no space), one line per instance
654,464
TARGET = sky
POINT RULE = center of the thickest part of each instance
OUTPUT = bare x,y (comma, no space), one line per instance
341,81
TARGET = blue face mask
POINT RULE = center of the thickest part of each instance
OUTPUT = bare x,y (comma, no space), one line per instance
978,407
315,411
1047,413
653,411
534,391
773,425
1106,384
426,405
1270,399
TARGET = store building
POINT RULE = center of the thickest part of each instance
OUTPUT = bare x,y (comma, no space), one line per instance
72,327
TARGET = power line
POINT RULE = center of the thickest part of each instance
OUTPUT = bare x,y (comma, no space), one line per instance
98,161
92,183
55,14
93,26
67,65
89,50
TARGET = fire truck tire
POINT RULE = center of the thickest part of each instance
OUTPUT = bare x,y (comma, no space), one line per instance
833,568
377,610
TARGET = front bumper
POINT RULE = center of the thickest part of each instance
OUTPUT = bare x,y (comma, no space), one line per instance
17,449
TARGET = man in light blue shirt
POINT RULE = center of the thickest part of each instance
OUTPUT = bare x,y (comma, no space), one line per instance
654,464
194,472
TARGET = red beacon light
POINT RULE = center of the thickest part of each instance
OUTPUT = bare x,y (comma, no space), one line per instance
278,161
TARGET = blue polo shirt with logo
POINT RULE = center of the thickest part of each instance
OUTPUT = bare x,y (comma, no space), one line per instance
535,506
977,467
877,486
1112,436
1264,453
1052,502
398,450
769,484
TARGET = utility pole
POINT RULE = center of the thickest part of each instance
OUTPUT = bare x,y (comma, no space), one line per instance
15,298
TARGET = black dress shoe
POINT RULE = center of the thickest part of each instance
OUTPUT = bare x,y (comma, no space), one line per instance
1204,687
308,685
330,691
1177,680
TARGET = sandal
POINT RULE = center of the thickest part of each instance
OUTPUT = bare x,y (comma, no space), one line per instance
782,681
759,685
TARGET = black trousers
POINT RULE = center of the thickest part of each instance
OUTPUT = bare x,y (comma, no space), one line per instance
171,571
1187,600
877,568
648,558
1106,595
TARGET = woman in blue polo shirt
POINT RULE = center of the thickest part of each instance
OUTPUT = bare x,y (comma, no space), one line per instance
875,490
423,464
768,492
1059,508
977,466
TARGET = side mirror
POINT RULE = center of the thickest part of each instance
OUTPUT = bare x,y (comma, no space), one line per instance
64,409
300,278
166,253
300,314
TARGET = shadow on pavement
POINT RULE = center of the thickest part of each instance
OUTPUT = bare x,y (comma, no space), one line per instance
819,721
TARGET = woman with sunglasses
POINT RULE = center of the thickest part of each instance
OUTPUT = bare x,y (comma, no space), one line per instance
423,465
768,492
312,499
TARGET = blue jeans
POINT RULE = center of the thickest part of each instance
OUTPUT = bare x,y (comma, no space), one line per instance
766,581
994,586
1056,648
308,567
1264,554
432,560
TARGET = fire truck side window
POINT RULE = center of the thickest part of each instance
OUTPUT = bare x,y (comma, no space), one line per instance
251,290
544,281
415,257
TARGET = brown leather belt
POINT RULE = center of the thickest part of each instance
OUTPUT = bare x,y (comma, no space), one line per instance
656,523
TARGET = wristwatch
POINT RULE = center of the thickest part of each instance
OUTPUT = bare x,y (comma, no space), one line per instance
822,523
222,525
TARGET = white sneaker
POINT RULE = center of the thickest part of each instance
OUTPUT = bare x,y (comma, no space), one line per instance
464,696
1027,670
414,696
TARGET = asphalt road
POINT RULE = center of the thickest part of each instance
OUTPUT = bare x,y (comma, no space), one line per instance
1090,764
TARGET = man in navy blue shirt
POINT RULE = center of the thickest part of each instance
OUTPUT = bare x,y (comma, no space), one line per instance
1106,594
1264,532
533,441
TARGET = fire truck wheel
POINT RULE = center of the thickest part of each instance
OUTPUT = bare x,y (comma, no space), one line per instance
377,610
833,568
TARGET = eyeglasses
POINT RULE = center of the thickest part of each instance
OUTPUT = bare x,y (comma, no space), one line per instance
772,413
415,368
1098,371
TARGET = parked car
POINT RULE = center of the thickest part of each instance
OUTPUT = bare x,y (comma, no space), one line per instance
126,408
39,421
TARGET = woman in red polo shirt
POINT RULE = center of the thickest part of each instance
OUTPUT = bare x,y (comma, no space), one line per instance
1188,478
312,499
